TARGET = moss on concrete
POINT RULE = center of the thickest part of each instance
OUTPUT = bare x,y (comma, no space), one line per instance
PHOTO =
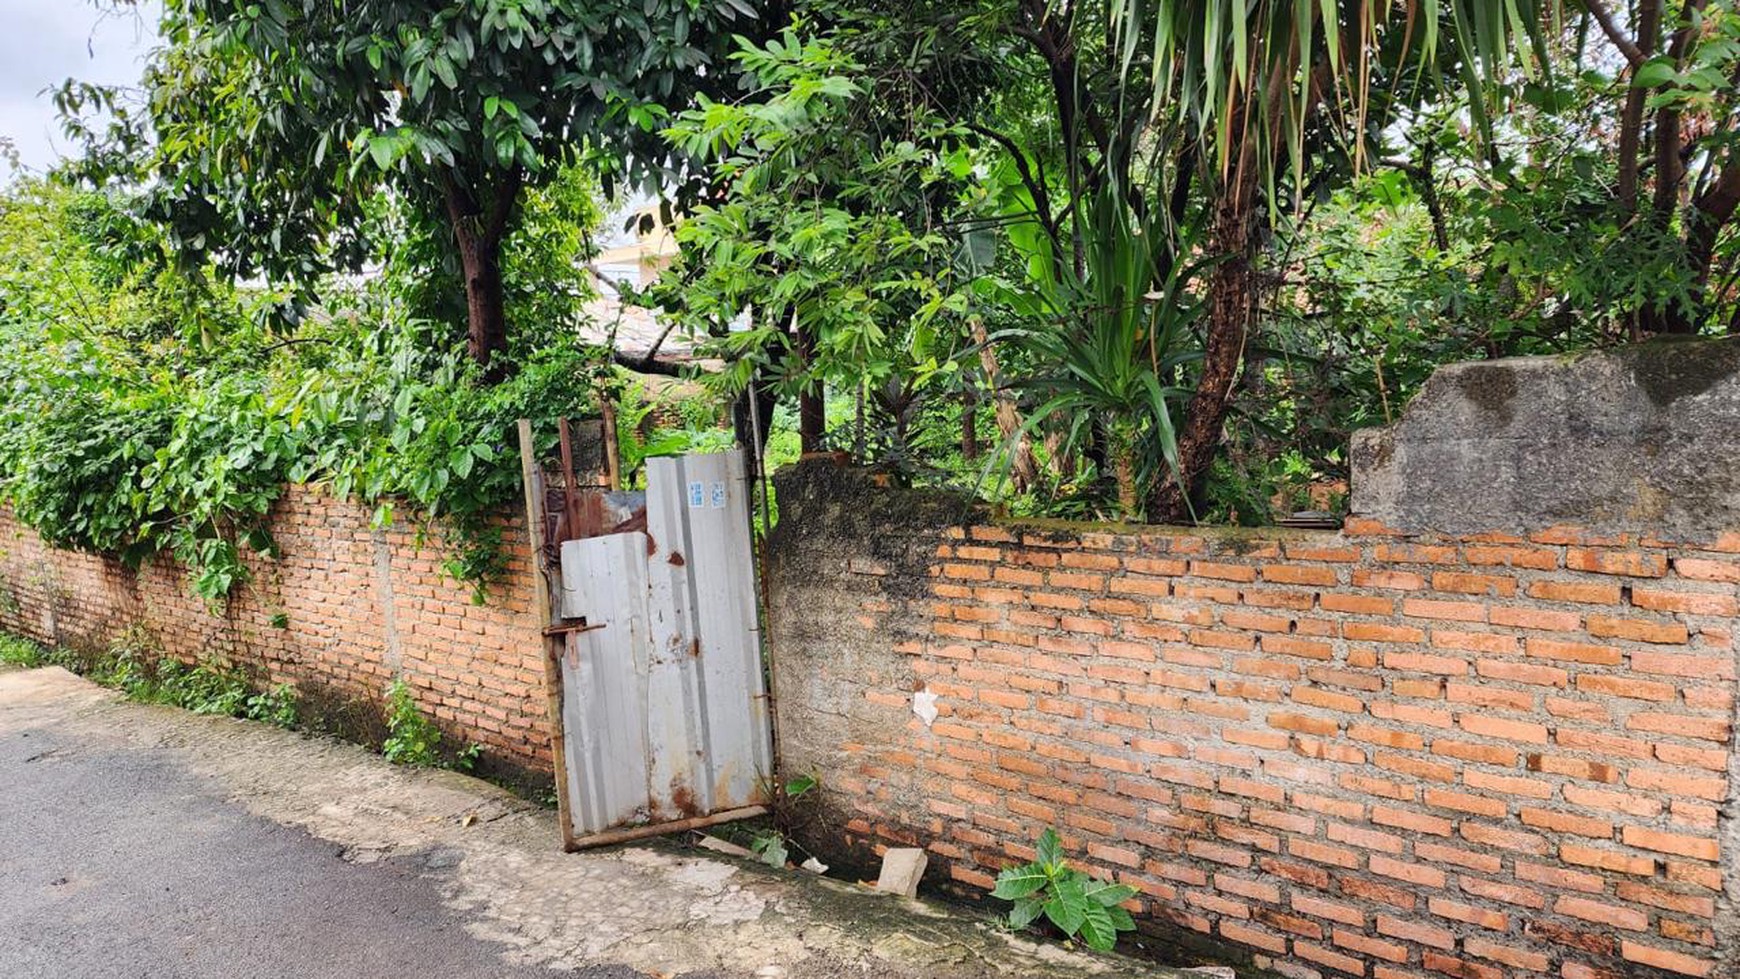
1671,368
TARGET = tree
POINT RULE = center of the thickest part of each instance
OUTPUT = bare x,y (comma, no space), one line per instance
274,121
1255,86
811,246
1090,124
1677,144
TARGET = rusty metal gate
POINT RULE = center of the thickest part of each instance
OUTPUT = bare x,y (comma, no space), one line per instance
663,714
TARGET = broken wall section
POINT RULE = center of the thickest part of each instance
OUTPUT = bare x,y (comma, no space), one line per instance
1636,440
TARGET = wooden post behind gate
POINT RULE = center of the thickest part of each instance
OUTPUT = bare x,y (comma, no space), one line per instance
554,641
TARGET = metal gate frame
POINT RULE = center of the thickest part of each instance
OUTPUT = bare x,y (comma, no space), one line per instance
683,739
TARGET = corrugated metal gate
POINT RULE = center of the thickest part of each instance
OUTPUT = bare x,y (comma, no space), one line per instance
663,697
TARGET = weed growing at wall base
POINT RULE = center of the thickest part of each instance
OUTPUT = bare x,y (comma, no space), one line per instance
1079,905
16,651
132,665
413,739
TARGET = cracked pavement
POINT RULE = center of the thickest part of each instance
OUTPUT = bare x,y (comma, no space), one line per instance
146,841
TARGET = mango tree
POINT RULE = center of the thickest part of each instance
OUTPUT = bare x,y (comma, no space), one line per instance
273,121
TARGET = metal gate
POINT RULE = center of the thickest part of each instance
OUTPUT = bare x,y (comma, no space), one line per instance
664,718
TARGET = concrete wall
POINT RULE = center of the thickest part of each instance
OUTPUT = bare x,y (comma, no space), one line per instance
1387,751
345,610
1634,440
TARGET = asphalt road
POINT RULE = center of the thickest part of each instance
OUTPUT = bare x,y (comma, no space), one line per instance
117,864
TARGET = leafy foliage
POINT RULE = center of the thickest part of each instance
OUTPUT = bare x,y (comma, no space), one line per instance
269,128
134,665
771,848
413,739
1143,242
1110,353
815,245
1078,905
125,433
19,651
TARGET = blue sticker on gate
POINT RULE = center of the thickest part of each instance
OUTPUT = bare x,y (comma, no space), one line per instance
697,495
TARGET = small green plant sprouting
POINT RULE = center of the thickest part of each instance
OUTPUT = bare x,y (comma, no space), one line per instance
277,706
466,760
1079,905
772,845
771,848
412,739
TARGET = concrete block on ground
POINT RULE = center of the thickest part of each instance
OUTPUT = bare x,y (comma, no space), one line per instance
902,868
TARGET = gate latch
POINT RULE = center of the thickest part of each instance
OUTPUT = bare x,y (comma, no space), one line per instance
572,628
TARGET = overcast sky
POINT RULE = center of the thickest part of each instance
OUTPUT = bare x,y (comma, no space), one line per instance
45,42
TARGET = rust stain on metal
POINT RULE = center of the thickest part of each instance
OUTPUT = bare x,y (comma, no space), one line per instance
695,647
677,560
683,798
632,524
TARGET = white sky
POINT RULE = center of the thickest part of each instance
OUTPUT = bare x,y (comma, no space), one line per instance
45,42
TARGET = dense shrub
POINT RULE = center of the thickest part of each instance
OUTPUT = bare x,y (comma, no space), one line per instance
143,417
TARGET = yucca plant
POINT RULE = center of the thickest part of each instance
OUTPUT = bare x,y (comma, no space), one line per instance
1242,71
1112,346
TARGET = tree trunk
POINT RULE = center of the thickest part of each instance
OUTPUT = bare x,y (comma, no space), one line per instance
1121,445
1024,471
812,403
1231,302
752,420
485,303
1709,214
969,425
478,234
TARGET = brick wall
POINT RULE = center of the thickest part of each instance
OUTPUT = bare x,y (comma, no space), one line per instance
345,610
1355,753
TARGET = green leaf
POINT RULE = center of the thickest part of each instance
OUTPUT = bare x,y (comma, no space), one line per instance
1019,882
1067,907
1108,894
1050,849
1655,72
1097,928
381,151
1025,910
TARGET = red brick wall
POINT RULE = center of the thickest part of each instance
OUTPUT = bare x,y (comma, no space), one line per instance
1356,753
359,606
